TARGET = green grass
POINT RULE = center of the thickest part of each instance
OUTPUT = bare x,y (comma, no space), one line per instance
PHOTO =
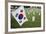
29,23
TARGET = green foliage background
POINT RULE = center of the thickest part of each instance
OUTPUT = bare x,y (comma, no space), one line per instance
29,23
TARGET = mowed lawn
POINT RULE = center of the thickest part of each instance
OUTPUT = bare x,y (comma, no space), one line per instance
29,14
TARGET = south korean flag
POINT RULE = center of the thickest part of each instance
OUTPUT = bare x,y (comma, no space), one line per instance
20,15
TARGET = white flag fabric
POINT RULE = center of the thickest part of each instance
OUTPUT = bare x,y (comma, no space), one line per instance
20,15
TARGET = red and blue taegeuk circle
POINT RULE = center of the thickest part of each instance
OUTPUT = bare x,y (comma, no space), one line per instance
20,16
